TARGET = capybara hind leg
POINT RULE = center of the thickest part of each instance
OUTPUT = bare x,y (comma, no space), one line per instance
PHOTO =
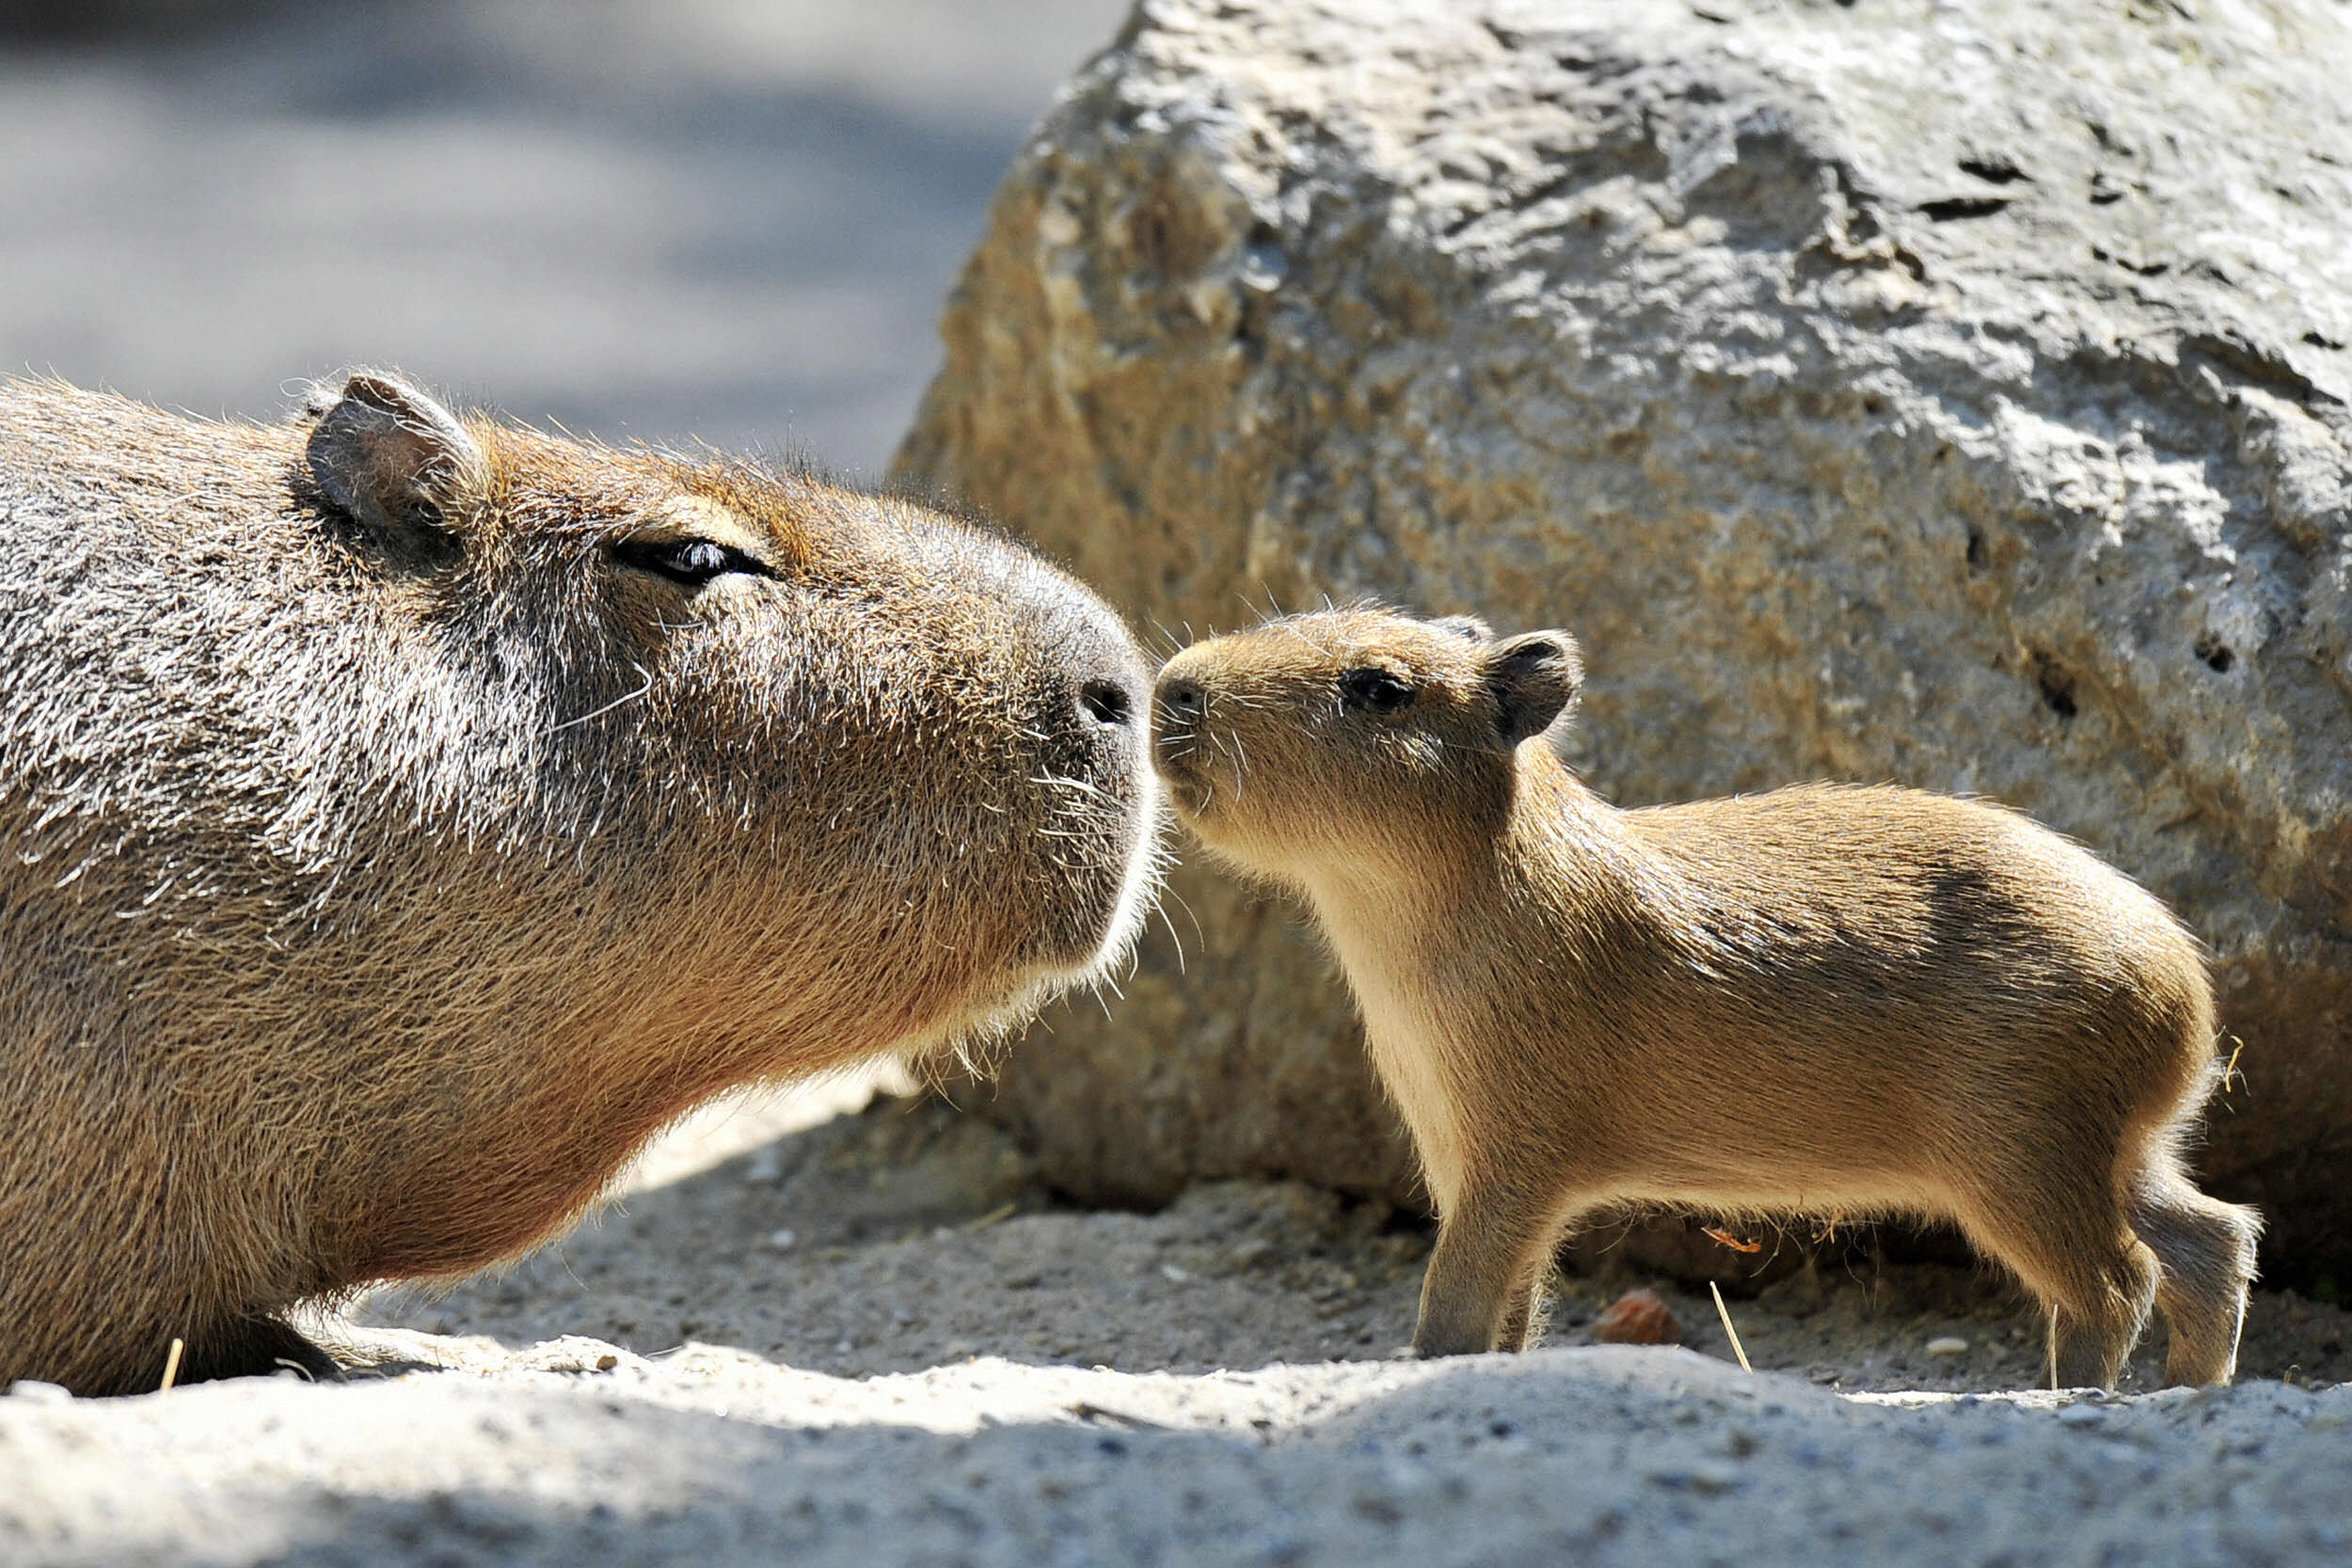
254,1347
1480,1281
2205,1249
2097,1279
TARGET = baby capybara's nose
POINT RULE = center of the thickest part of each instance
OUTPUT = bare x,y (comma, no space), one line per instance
1181,700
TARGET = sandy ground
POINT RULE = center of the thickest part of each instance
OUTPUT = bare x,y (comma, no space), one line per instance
877,1339
907,1237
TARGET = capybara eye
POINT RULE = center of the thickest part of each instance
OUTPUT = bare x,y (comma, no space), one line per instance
700,560
692,562
1375,689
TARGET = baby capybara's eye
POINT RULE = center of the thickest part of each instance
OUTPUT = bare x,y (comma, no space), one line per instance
1375,689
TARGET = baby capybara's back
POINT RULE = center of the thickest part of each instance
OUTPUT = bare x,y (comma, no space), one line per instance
403,814
1936,956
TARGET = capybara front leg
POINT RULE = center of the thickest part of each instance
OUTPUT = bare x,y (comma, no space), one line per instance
1523,1323
1479,1281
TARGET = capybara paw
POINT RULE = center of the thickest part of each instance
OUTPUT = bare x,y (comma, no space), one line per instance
256,1347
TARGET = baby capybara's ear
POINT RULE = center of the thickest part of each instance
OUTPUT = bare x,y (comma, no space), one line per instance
394,461
1534,677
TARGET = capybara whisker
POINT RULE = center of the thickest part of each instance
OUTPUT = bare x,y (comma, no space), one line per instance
622,701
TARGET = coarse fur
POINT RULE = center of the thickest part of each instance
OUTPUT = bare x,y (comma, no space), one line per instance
403,814
1824,1000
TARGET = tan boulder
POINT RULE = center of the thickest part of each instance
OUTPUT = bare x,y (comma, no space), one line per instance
1951,396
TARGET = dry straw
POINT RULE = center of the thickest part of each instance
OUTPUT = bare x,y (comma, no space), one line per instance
1724,1313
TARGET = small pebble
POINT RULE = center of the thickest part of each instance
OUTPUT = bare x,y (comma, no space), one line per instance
1175,1274
34,1392
1709,1476
782,1240
1637,1318
1947,1344
1713,1475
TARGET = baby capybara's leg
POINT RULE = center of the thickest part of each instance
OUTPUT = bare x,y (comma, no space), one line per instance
2068,1242
1524,1323
1479,1291
2205,1249
2091,1337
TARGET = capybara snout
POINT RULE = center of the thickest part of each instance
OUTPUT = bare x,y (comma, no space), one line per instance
404,813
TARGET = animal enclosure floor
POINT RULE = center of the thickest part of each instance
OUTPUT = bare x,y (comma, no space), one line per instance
875,1340
909,1237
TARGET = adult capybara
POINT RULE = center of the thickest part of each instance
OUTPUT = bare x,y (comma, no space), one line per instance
403,814
1819,1000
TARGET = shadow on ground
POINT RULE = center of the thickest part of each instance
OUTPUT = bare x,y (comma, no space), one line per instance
1602,1455
899,1348
910,1236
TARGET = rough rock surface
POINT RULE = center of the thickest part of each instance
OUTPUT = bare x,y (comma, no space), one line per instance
1948,394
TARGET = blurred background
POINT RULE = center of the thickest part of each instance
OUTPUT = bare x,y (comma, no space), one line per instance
731,220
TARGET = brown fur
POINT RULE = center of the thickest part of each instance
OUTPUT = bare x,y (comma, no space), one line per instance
1823,1000
392,843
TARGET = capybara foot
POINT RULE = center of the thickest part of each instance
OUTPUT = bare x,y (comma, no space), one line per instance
255,1347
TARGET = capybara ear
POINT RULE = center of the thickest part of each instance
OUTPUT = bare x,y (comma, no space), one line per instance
1534,677
392,459
1468,628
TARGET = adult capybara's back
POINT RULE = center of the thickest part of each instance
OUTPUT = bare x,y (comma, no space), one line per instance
402,814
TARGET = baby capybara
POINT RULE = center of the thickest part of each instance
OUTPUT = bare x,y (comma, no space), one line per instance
1820,999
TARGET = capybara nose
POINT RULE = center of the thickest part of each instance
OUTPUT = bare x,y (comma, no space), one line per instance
1106,699
1182,701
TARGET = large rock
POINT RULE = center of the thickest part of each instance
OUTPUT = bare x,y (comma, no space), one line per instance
1887,391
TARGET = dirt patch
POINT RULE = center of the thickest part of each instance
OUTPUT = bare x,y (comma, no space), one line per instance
907,1236
922,1372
